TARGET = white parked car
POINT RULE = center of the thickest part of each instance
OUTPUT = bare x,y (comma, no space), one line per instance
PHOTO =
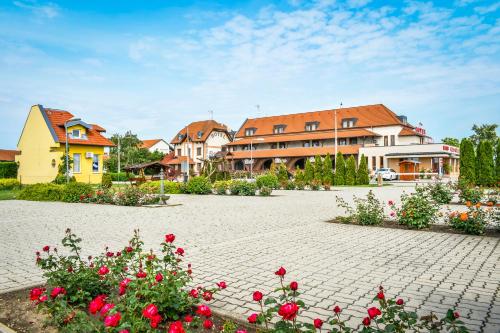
387,174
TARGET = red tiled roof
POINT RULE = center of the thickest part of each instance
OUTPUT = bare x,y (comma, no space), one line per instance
367,116
294,152
409,132
57,118
204,127
149,143
8,155
179,160
350,133
168,157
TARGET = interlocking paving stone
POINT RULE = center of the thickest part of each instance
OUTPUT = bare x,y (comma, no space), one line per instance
243,240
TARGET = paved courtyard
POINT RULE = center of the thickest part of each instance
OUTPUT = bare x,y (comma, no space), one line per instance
243,240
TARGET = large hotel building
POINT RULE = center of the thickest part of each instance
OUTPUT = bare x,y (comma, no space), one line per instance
386,139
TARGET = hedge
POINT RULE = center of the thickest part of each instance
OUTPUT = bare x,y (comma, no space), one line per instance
9,184
119,177
168,186
8,169
42,192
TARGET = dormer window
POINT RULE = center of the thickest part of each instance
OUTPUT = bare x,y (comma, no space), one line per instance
179,137
75,134
250,131
348,122
279,129
312,126
199,134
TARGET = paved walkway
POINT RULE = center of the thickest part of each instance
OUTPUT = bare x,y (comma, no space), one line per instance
243,240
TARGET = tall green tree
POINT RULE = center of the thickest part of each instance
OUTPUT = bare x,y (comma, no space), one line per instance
362,177
451,141
318,169
350,172
497,161
282,173
327,170
485,167
467,162
339,169
485,132
299,175
308,172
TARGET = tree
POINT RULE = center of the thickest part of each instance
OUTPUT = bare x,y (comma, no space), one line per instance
362,175
327,170
282,173
339,169
309,172
467,162
485,170
318,169
350,172
485,132
451,142
299,175
497,161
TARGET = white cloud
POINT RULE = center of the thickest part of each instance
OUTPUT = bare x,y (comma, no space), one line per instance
488,9
48,10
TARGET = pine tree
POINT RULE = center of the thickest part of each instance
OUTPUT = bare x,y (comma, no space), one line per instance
327,170
309,172
299,175
339,169
362,175
282,173
484,164
467,162
497,161
318,169
350,172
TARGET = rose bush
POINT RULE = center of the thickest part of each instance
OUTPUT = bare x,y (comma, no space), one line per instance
475,219
367,211
283,312
418,210
129,290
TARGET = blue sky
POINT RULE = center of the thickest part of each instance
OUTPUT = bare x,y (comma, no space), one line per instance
152,66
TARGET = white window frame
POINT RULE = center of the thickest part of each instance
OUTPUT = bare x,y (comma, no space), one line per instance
79,163
94,157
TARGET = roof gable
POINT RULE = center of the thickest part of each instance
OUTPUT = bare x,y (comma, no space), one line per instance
198,131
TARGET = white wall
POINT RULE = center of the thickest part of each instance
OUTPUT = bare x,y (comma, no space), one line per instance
160,146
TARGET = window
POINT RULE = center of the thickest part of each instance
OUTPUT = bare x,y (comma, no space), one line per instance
179,152
189,152
315,143
393,140
281,145
386,140
348,122
381,161
250,131
198,151
353,141
342,142
76,163
279,129
306,144
374,162
312,126
75,133
95,163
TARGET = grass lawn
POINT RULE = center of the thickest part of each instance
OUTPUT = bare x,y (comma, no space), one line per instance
8,194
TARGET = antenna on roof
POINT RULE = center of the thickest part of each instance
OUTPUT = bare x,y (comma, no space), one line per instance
258,108
211,112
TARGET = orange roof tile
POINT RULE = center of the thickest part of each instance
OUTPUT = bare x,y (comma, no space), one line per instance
179,160
204,128
409,132
8,155
350,133
149,143
56,120
367,116
294,152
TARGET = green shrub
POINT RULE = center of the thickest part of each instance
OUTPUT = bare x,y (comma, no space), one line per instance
485,164
130,196
339,177
439,192
282,173
472,222
469,193
41,192
318,168
315,184
308,172
417,210
169,187
106,181
61,179
74,192
300,184
8,169
327,170
367,211
119,177
269,180
265,191
199,185
9,184
290,185
241,187
221,187
362,174
350,173
467,162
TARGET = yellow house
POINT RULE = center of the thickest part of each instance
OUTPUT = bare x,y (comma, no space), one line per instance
43,142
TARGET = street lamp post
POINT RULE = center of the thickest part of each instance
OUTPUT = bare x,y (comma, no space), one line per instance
251,154
335,127
67,146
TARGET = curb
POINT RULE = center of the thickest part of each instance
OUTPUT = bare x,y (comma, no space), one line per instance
5,329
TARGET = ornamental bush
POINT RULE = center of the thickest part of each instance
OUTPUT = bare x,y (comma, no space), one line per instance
468,193
308,172
265,191
417,210
242,187
327,171
467,162
106,181
42,192
350,172
9,184
318,169
439,192
129,290
485,165
8,169
473,221
282,173
72,192
281,313
169,187
367,211
221,187
362,177
268,179
199,185
339,169
119,176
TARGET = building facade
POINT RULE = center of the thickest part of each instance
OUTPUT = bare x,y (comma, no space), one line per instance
159,145
196,143
42,144
372,130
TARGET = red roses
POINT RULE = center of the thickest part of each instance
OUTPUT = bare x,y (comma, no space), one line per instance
96,304
288,311
280,272
294,286
57,291
257,296
151,312
112,320
169,238
176,327
373,312
103,270
204,310
180,251
252,319
222,285
318,323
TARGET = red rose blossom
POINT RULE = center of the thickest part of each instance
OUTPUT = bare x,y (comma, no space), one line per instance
46,248
176,327
188,319
179,251
96,304
252,319
373,312
222,285
280,272
42,299
204,310
456,315
159,277
208,324
141,275
149,311
129,249
57,291
155,321
105,309
400,302
318,323
112,320
257,296
366,321
35,293
169,238
207,296
193,293
288,311
380,295
294,286
103,270
241,331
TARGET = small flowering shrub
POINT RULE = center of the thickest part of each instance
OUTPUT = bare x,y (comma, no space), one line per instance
125,291
199,185
282,314
221,187
169,187
474,220
367,211
417,210
73,191
269,180
469,193
439,192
